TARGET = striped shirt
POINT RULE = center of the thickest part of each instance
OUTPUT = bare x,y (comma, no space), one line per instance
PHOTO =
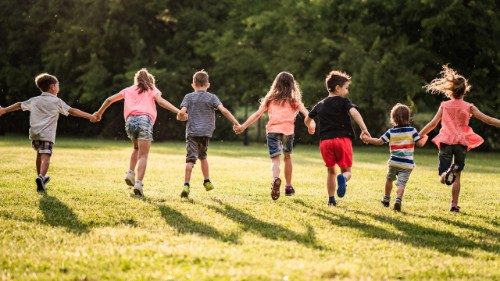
401,145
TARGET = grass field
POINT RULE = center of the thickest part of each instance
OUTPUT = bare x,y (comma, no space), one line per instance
88,226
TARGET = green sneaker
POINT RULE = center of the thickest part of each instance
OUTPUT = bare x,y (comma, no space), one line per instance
185,191
208,186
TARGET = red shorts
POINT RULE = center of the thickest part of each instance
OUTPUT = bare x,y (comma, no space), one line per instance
337,151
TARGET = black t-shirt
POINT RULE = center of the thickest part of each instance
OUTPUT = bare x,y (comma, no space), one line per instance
333,118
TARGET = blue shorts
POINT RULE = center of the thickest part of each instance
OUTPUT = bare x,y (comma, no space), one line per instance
279,143
139,127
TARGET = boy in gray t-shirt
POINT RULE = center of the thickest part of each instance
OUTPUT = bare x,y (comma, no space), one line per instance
200,106
44,113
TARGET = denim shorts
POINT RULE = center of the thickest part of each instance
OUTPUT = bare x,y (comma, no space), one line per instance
451,154
42,147
139,127
402,175
196,148
279,143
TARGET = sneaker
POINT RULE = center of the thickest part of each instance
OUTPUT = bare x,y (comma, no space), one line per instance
455,209
208,186
289,191
46,180
341,185
138,188
385,202
130,178
397,206
332,202
275,188
40,183
450,175
185,191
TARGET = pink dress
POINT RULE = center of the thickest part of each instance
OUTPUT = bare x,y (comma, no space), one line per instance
455,125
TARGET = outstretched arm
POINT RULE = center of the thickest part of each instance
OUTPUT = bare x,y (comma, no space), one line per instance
310,124
228,115
78,113
253,118
433,123
485,118
165,104
359,120
14,107
109,101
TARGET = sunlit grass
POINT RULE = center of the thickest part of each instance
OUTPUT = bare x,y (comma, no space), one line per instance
89,227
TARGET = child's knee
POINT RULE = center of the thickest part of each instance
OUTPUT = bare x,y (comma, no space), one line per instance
331,170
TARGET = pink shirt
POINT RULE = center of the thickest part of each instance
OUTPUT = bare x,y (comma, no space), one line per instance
281,118
455,125
139,104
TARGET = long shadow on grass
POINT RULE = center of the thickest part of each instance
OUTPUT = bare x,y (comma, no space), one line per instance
184,224
265,229
413,234
58,214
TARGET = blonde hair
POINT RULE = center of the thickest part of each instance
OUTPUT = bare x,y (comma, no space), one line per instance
285,89
400,115
200,78
450,84
144,80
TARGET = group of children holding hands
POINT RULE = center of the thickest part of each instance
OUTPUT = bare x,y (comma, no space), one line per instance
331,117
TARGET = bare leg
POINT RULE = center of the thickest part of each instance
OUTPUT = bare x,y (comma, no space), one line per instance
288,169
330,181
133,157
400,192
188,171
44,164
38,163
347,173
204,169
275,166
388,188
142,158
455,190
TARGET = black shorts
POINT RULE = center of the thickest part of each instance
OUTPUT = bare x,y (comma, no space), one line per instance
451,154
196,148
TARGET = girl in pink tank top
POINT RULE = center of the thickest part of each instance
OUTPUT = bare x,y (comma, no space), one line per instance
455,137
282,103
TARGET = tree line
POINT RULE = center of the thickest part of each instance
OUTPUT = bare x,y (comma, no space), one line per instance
391,48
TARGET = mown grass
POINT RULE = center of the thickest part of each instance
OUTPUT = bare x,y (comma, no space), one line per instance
89,227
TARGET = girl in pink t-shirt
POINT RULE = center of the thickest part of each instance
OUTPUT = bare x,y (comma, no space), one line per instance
140,115
455,137
282,103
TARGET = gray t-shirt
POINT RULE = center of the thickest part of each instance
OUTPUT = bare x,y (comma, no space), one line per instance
201,108
44,113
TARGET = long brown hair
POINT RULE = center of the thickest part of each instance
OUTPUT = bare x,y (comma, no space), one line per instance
285,89
450,84
144,80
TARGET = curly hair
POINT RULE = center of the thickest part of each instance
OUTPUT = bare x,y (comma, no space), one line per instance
400,115
450,84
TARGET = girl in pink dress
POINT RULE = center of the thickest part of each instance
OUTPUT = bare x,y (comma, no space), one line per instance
455,137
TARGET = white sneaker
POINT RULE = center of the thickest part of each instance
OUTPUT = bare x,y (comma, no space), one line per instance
138,188
130,178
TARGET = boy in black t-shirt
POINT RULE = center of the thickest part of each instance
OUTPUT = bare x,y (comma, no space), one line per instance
333,117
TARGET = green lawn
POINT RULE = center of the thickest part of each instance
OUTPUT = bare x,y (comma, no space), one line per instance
88,226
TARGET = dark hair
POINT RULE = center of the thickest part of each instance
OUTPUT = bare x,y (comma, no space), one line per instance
144,80
336,78
400,115
200,78
44,80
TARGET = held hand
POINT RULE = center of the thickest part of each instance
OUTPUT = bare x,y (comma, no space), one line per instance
365,136
94,118
311,129
238,129
424,138
98,116
182,117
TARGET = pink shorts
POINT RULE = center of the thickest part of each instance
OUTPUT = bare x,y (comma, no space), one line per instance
337,151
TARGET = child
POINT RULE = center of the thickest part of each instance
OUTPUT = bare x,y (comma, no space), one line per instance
455,137
44,113
402,139
200,106
140,115
282,103
335,131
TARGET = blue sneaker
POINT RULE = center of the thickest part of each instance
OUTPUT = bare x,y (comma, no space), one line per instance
341,185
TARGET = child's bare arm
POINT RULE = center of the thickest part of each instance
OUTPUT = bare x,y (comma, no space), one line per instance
371,140
310,124
78,113
485,118
423,139
433,123
254,117
109,101
358,119
14,107
165,104
228,115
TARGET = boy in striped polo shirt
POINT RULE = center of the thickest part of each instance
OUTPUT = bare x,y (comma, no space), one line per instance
402,139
